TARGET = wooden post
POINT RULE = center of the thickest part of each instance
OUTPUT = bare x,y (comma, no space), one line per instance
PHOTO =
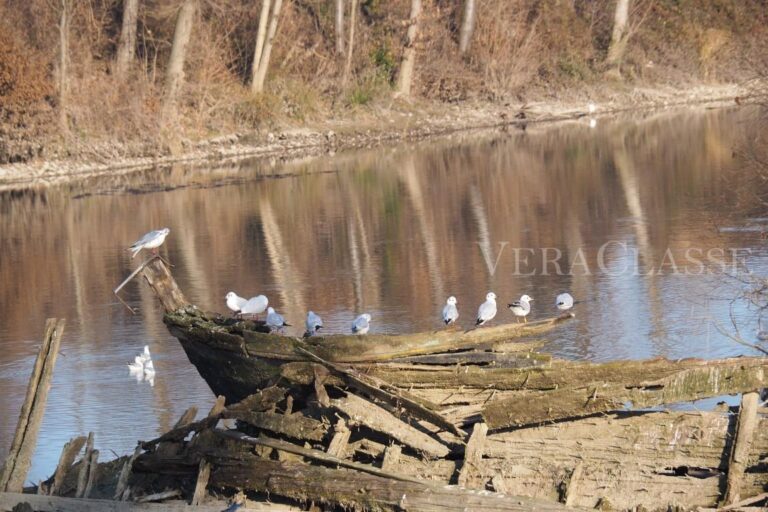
473,456
85,465
203,475
164,285
121,490
68,454
391,457
742,442
338,444
14,472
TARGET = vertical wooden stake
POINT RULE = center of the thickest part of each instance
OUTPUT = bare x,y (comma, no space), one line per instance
737,463
16,466
473,455
203,475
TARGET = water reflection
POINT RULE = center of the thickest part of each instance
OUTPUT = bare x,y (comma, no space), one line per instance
392,232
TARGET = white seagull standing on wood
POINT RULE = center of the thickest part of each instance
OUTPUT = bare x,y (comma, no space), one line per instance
235,303
362,324
314,323
522,307
487,310
255,306
450,311
564,302
275,321
151,240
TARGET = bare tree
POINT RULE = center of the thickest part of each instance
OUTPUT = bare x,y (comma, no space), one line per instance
405,76
348,65
64,66
175,74
467,26
127,46
261,36
619,36
339,27
261,72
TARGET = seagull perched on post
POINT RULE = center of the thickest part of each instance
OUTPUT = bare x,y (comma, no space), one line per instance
362,324
235,303
564,302
151,240
314,323
522,307
450,311
275,321
487,310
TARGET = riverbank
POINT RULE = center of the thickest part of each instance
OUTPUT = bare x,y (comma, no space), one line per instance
369,128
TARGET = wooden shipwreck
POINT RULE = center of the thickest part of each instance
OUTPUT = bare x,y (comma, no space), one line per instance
448,420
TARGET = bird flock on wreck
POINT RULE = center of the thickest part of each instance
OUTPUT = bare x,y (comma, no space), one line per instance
256,306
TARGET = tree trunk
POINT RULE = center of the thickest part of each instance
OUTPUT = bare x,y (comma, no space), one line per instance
63,66
409,56
619,36
258,83
127,47
467,26
261,36
348,65
175,73
340,27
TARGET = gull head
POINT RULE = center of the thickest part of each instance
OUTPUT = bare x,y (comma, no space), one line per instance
525,298
270,310
165,231
230,295
367,317
451,300
491,296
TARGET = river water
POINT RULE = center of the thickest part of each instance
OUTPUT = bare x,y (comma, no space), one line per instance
640,219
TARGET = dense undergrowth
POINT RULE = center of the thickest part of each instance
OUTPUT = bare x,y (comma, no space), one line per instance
522,50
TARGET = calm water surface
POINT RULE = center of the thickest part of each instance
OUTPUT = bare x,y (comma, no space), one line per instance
391,232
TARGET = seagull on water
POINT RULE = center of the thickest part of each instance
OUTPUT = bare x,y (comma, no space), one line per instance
275,321
487,310
145,355
255,306
450,311
522,307
235,302
564,301
314,323
151,240
361,324
137,366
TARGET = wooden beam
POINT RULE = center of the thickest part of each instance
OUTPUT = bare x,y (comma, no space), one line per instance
296,426
338,445
666,382
93,469
14,472
164,285
391,457
469,476
497,360
85,467
364,491
571,489
203,475
380,420
67,458
122,482
738,460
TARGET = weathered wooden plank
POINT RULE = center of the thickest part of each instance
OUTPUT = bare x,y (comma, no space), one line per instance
41,503
19,458
159,496
67,458
380,420
296,426
391,457
737,462
85,466
493,359
666,382
122,482
164,285
203,476
93,470
571,489
354,489
473,457
338,445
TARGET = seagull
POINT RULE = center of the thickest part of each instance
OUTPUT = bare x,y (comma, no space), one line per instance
591,108
234,302
314,323
361,324
522,307
487,310
275,321
151,240
149,369
145,356
564,301
255,306
450,311
137,366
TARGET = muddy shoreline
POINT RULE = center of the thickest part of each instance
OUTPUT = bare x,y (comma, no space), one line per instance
369,130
